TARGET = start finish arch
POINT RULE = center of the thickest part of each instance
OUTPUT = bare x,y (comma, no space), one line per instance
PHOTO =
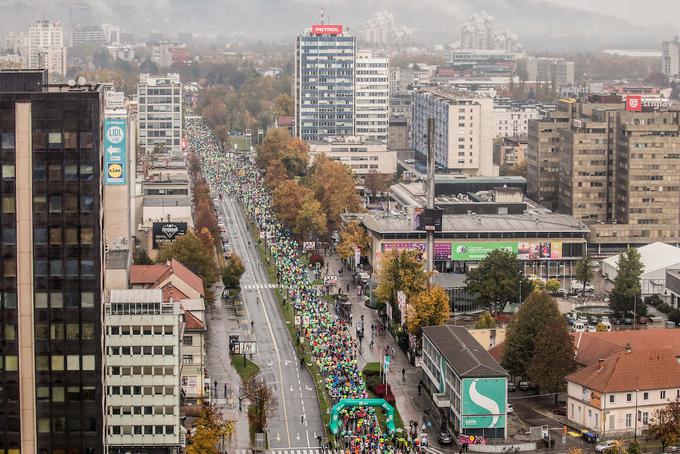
348,403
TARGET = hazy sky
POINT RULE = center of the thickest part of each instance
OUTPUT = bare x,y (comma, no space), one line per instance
645,11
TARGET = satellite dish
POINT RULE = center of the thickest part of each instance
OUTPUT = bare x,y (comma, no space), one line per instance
71,83
81,80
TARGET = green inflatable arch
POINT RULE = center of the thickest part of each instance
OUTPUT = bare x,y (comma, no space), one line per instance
348,403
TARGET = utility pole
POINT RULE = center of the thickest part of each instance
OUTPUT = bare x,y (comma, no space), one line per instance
430,196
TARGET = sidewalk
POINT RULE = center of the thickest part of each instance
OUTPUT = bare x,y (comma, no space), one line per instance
411,406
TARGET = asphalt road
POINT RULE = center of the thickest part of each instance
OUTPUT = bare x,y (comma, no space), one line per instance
295,421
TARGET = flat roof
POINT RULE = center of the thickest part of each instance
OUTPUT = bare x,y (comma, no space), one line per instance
463,223
464,354
136,296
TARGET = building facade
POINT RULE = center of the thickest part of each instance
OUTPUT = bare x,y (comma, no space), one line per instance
360,154
52,278
46,48
464,123
670,57
143,372
160,113
512,119
556,71
324,83
372,98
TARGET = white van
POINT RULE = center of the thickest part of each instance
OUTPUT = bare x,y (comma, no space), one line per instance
577,286
579,327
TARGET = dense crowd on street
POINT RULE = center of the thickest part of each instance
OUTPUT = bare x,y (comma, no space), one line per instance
327,338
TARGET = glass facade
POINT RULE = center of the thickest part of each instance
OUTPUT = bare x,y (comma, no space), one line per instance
324,91
67,281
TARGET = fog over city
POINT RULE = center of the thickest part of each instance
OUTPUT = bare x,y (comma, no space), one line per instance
542,25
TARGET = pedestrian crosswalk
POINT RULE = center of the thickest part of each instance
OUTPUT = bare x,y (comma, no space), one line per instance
258,286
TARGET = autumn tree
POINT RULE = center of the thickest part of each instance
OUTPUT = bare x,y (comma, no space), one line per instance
262,401
284,105
627,283
552,286
275,141
553,357
209,428
537,312
485,321
427,308
583,272
295,159
497,280
665,425
400,270
190,251
377,183
276,174
287,199
207,239
232,271
333,185
310,220
353,236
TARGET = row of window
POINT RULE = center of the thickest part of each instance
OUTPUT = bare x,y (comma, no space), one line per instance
148,410
141,390
136,330
63,424
141,430
64,362
167,350
157,371
65,393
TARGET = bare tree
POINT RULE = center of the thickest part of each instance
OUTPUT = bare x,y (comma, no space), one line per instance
262,403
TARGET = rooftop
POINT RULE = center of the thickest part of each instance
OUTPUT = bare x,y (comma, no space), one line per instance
154,275
136,296
590,347
193,323
167,201
645,369
462,351
654,257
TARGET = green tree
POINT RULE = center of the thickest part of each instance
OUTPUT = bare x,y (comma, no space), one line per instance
552,286
553,357
485,321
498,280
427,308
665,425
537,312
352,236
232,271
626,291
210,427
192,253
142,258
583,272
400,271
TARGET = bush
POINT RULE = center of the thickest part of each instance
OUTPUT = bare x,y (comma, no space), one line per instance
316,258
664,307
674,316
654,300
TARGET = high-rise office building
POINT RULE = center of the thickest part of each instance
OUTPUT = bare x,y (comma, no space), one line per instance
51,266
324,83
160,113
464,130
372,98
670,57
46,47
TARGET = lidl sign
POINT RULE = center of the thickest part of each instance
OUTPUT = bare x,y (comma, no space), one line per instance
115,151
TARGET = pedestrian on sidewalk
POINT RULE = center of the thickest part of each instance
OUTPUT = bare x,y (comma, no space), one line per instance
403,375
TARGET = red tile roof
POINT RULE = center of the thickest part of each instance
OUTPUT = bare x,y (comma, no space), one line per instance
193,323
153,275
648,368
591,347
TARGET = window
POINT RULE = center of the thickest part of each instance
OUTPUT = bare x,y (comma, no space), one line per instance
645,418
629,420
663,394
611,398
645,396
8,205
54,138
187,359
7,171
629,397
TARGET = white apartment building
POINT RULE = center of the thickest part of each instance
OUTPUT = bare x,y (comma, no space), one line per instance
361,154
619,394
143,372
464,130
553,70
160,113
512,120
46,47
372,96
670,57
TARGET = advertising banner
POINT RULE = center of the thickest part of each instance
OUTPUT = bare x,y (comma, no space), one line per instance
442,251
115,150
479,250
167,232
539,250
484,403
309,245
408,246
330,280
427,220
327,29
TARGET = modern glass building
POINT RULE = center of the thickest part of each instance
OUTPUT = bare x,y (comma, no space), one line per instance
50,266
324,83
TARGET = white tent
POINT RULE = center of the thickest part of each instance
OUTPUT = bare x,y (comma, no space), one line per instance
656,258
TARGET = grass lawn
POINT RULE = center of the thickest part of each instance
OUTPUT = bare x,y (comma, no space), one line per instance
246,372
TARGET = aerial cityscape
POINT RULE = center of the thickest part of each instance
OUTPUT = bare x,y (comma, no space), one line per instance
356,227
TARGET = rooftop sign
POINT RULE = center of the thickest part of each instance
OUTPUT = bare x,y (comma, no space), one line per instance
327,29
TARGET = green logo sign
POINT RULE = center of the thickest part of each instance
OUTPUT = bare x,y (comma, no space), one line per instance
479,250
484,403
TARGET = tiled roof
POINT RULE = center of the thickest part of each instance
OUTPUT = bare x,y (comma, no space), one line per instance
153,275
187,276
146,274
193,323
644,369
591,347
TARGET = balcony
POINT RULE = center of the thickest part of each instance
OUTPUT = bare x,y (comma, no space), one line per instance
441,400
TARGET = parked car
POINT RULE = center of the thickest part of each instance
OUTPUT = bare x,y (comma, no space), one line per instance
592,329
561,411
642,321
524,386
608,444
445,437
511,386
627,321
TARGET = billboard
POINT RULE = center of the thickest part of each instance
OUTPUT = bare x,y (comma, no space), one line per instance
479,250
115,150
539,250
427,219
484,403
327,29
167,232
442,251
634,103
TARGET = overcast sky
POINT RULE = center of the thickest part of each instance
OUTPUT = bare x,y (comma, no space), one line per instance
645,11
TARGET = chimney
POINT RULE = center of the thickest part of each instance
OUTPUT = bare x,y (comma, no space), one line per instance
600,365
628,348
